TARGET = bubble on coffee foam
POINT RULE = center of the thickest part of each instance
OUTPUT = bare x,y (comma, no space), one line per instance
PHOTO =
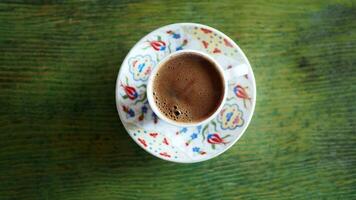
177,113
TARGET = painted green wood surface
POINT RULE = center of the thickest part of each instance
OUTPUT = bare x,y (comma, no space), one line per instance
60,136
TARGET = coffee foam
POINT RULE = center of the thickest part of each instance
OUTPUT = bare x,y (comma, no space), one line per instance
188,88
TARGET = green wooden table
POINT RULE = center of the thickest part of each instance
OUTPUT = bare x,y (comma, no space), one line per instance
61,138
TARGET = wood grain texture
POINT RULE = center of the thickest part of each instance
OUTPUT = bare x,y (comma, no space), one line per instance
61,138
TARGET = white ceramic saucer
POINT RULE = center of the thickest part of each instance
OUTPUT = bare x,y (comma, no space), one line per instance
174,143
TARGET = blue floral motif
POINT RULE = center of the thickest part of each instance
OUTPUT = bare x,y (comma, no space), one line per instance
196,149
199,128
180,47
131,113
230,117
183,130
144,109
174,34
194,136
141,67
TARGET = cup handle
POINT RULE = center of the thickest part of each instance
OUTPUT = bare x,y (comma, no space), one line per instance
236,71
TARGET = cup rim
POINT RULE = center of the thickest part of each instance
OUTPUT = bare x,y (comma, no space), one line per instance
149,91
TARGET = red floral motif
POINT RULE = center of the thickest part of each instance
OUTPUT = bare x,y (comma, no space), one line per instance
165,154
227,43
158,45
143,142
206,30
148,71
241,92
205,44
236,121
131,92
198,150
216,50
165,141
140,118
214,138
154,135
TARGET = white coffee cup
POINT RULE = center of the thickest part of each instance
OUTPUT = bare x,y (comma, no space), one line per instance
227,74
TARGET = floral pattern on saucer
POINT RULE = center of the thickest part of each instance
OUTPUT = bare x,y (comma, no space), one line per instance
183,144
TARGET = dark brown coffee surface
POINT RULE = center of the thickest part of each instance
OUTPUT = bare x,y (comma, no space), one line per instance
188,88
